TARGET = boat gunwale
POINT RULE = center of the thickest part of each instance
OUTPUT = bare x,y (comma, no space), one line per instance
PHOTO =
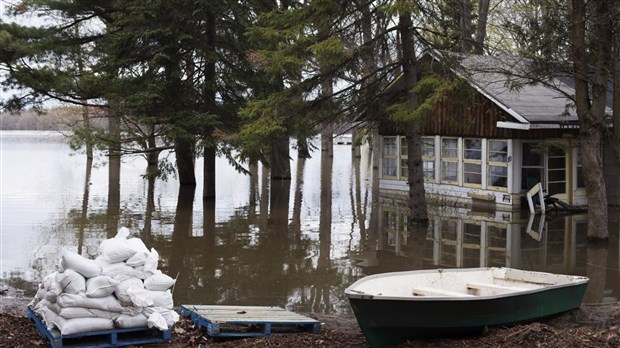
351,293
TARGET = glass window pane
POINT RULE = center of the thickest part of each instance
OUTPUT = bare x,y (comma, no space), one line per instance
531,156
449,171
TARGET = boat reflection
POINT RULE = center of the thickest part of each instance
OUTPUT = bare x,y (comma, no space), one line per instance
460,238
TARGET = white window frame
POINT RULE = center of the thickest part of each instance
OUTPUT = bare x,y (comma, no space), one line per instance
389,156
429,159
403,163
492,163
471,161
450,160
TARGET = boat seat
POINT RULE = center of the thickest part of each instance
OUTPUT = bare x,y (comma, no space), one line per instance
490,286
428,291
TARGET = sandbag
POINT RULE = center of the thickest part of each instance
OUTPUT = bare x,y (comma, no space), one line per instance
87,268
100,286
119,271
78,325
125,321
158,282
71,282
48,316
82,312
108,303
115,250
142,252
156,320
170,315
150,265
124,286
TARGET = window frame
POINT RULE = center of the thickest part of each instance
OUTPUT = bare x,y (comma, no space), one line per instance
428,159
449,160
493,163
473,161
389,156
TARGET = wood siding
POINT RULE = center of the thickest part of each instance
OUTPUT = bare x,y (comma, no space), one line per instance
474,117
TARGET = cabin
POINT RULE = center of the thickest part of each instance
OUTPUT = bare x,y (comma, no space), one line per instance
494,145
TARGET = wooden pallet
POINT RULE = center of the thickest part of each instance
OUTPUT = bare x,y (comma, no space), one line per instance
248,321
104,338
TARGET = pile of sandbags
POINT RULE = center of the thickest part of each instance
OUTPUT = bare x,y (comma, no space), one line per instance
121,288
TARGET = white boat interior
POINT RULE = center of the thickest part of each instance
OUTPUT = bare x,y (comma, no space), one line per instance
459,283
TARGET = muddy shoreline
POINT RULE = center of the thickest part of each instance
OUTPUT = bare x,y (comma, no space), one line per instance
588,326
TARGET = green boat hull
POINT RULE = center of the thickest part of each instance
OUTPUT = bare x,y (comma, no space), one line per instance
386,322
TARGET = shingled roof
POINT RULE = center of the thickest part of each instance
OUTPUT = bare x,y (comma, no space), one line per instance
503,80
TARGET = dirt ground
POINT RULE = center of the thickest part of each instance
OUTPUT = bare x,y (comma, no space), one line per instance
589,326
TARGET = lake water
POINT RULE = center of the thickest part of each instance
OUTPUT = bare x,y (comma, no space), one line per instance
296,244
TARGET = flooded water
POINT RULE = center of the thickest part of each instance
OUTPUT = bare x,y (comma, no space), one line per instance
296,244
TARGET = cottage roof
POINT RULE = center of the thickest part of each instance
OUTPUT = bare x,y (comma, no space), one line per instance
504,80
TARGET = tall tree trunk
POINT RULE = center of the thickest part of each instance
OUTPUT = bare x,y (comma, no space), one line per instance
591,111
280,162
114,175
466,42
184,151
208,190
481,28
616,78
417,199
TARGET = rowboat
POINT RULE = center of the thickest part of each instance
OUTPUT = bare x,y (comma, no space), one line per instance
394,307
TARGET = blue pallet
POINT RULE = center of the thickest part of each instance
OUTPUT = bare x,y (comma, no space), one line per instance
99,339
248,321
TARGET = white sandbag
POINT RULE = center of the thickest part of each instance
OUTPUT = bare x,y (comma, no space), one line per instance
86,267
100,286
156,320
170,315
150,265
158,282
108,303
142,252
52,293
78,325
148,298
140,297
50,281
115,250
71,282
82,312
132,310
48,316
52,287
122,233
121,290
40,304
119,271
125,321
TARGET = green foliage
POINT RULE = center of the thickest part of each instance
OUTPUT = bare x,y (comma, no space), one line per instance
429,90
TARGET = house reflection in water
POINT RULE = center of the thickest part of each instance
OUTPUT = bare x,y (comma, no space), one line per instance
460,237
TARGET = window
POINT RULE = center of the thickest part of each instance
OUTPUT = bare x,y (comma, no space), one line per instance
498,163
580,181
472,164
428,158
556,171
449,160
390,156
404,166
532,172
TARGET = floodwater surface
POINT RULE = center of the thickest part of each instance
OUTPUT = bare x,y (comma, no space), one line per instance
296,244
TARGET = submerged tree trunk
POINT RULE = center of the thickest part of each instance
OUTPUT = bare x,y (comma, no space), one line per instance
417,199
208,190
280,159
184,151
616,79
591,111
